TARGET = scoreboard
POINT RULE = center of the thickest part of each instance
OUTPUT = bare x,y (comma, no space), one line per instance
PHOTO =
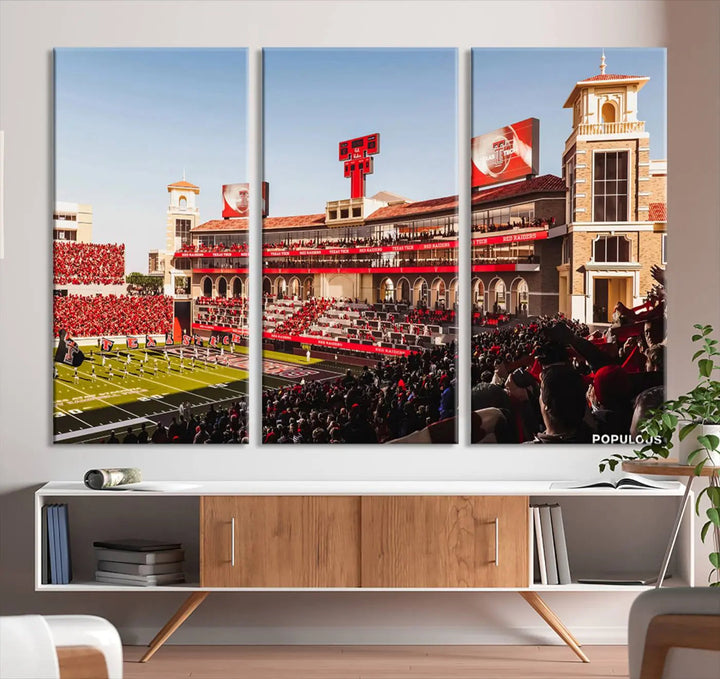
357,161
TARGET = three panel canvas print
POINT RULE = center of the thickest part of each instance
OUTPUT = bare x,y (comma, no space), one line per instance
360,289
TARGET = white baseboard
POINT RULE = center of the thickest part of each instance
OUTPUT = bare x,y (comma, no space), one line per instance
377,636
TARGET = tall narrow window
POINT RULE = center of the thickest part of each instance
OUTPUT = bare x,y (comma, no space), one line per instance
610,186
182,230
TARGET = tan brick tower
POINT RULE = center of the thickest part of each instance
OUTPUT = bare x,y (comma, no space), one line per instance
615,200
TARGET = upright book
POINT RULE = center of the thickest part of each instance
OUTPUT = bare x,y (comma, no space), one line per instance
549,545
540,546
561,552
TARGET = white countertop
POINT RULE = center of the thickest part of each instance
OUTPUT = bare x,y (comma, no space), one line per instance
197,488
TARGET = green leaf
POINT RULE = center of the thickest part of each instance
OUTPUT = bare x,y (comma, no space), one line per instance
705,367
694,454
698,353
669,420
715,584
697,326
687,429
715,559
695,338
710,441
707,330
714,516
713,493
699,467
704,531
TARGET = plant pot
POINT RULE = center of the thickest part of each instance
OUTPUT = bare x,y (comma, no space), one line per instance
691,443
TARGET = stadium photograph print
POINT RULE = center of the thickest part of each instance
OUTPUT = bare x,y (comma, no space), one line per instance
569,230
359,287
150,305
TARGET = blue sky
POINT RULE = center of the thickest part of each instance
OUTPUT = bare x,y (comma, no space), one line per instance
512,84
128,121
316,98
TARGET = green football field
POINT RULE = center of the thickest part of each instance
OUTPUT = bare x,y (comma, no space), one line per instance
110,392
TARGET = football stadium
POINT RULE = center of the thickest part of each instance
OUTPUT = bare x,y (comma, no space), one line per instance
125,369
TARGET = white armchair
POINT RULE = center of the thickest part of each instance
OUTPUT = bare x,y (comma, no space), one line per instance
44,647
674,633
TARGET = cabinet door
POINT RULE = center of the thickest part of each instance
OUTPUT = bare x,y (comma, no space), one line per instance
280,541
445,541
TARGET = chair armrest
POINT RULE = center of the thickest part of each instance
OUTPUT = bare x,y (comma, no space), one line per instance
81,662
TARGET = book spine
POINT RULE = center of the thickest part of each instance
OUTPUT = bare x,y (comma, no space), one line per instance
64,546
563,562
54,551
549,545
45,573
540,546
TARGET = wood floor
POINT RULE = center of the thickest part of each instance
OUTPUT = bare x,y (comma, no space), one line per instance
376,662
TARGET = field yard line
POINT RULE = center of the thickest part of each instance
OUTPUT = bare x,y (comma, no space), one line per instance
198,366
102,400
175,390
73,416
232,391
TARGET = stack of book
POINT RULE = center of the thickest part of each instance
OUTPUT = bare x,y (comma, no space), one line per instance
552,566
57,565
144,563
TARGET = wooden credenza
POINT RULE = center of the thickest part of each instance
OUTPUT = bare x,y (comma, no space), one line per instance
369,541
366,536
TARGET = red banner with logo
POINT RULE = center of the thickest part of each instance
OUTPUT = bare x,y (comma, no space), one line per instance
510,152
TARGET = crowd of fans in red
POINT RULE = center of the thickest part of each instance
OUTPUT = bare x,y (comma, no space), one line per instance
372,405
550,380
427,316
537,223
303,317
90,316
240,249
229,311
360,242
88,263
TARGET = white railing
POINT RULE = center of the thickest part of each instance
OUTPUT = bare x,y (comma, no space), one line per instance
612,128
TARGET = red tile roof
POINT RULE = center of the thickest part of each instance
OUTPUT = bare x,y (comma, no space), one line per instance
419,207
543,183
241,224
295,221
657,212
612,76
222,225
182,184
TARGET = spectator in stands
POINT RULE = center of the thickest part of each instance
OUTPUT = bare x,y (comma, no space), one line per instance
88,263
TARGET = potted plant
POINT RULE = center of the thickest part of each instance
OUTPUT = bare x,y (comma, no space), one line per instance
698,412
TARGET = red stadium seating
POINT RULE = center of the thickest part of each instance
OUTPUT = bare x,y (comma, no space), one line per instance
88,263
91,316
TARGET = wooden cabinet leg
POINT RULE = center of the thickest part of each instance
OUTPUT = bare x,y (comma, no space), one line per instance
547,614
181,615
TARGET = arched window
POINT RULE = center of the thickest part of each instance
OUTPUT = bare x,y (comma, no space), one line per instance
236,287
207,287
611,249
182,202
608,112
222,287
387,291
